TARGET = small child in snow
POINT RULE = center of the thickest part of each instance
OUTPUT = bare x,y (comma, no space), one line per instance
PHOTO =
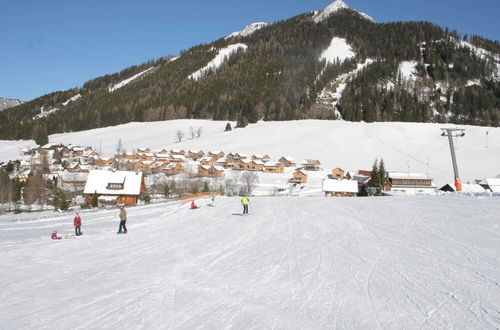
193,205
54,235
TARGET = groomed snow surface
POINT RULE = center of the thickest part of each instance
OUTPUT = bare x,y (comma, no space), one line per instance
294,263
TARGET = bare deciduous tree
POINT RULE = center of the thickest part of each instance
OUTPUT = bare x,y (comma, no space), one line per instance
199,130
179,135
192,133
249,181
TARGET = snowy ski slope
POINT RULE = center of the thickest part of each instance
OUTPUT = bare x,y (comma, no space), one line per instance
295,263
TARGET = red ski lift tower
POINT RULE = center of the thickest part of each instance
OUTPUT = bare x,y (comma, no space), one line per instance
453,133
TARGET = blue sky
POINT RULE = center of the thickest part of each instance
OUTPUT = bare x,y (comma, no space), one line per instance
55,45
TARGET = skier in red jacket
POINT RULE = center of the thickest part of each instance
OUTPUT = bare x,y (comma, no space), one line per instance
78,223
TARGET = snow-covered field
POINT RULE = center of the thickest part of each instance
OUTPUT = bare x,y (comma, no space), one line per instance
414,147
297,263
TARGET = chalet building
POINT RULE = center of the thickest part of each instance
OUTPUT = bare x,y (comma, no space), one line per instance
164,158
178,159
74,167
287,161
251,165
143,165
71,181
174,168
240,156
195,154
226,163
146,156
129,155
491,184
362,177
340,188
311,165
216,154
410,184
105,161
115,187
261,157
207,160
177,152
273,167
298,177
157,167
90,154
143,150
210,171
22,176
338,174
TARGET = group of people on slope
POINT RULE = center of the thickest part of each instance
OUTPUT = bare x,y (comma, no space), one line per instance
122,229
77,222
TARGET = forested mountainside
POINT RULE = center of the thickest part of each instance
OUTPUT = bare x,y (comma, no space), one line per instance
338,65
8,103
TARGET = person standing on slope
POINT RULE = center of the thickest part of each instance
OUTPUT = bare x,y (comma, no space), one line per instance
78,223
123,220
245,201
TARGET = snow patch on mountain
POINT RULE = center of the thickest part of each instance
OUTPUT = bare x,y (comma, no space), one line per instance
215,64
332,94
339,50
474,82
408,71
129,80
9,103
248,30
72,99
45,113
335,7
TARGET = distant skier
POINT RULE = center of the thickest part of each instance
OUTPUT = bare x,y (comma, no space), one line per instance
78,224
123,220
245,201
54,235
193,205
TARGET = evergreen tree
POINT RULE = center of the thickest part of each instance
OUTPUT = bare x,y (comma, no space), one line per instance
228,127
40,133
166,191
375,175
206,188
383,175
95,200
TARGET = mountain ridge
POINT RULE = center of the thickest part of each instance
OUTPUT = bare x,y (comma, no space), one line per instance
277,73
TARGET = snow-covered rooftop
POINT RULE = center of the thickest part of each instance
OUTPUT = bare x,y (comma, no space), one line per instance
98,182
342,186
408,175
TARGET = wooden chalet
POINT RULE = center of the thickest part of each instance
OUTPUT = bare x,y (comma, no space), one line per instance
210,171
311,165
195,154
287,161
261,157
177,152
105,161
143,150
273,167
251,165
146,156
164,158
210,161
115,187
298,177
174,168
216,154
178,159
338,173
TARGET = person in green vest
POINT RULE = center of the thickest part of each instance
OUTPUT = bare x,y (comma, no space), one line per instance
245,201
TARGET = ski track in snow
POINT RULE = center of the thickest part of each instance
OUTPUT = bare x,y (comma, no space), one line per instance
298,263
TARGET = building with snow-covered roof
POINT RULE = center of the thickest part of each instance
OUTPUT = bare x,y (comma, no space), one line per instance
210,171
298,177
340,188
311,165
287,161
251,165
491,184
273,167
115,187
410,183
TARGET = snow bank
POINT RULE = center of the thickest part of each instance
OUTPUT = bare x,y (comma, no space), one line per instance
129,80
221,57
72,99
248,30
294,263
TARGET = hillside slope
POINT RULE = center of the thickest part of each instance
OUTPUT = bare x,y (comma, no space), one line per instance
336,63
414,147
296,263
